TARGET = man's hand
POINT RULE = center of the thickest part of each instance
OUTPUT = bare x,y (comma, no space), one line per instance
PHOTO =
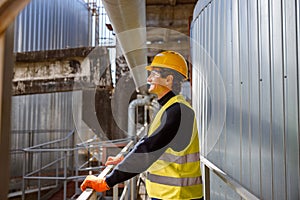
114,160
98,184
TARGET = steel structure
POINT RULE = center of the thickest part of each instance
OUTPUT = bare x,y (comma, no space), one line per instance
50,32
65,164
245,57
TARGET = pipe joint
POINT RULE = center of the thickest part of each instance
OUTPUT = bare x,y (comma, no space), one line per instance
145,100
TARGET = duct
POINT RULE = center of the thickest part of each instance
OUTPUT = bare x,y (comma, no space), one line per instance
131,113
128,18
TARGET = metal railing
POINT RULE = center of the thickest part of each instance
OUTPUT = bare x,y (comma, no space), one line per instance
71,153
238,188
90,194
130,186
64,165
62,156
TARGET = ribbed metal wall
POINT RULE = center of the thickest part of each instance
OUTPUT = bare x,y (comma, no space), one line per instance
245,57
38,119
53,24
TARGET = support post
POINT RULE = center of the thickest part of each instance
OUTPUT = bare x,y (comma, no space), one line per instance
9,9
207,183
6,70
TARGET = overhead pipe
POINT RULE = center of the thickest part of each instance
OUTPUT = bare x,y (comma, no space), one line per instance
128,18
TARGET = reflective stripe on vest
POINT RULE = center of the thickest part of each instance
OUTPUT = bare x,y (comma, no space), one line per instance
194,157
174,181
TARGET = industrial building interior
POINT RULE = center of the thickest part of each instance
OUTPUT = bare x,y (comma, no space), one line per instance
39,30
73,91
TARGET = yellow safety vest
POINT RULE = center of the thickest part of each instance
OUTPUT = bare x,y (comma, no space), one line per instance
176,174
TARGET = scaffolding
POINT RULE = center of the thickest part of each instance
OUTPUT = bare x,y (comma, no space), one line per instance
67,164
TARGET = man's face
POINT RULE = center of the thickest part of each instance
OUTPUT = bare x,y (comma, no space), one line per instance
157,84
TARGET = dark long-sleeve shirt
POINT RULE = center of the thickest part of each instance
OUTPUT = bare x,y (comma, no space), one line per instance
174,131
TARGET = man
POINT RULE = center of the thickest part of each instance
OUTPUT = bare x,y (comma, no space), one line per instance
170,151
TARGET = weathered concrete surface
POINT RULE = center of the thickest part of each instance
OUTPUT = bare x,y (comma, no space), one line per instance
61,70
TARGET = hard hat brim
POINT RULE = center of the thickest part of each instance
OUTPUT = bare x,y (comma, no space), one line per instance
149,68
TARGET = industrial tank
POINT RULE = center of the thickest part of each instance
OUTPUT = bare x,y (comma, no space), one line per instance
48,25
245,57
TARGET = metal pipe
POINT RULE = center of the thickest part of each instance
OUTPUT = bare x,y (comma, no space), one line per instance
131,34
133,192
76,169
124,193
65,174
47,143
39,173
131,113
132,132
56,171
23,179
115,192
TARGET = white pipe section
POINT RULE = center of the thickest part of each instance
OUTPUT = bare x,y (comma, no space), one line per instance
128,18
131,113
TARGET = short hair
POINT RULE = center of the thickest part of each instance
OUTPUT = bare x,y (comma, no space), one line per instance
177,78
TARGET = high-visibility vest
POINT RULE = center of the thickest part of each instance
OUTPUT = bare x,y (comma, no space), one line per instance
176,174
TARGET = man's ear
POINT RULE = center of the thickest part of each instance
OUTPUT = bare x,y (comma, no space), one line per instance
169,80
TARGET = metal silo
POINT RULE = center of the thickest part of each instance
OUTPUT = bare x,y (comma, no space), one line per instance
48,25
245,57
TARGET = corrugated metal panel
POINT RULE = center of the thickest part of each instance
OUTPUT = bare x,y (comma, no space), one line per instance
291,97
255,47
55,24
38,119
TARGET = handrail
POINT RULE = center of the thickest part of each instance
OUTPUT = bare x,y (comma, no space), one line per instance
90,193
45,147
62,159
40,148
93,142
238,188
51,142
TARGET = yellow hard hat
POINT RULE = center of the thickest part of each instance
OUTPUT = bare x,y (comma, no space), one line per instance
171,60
